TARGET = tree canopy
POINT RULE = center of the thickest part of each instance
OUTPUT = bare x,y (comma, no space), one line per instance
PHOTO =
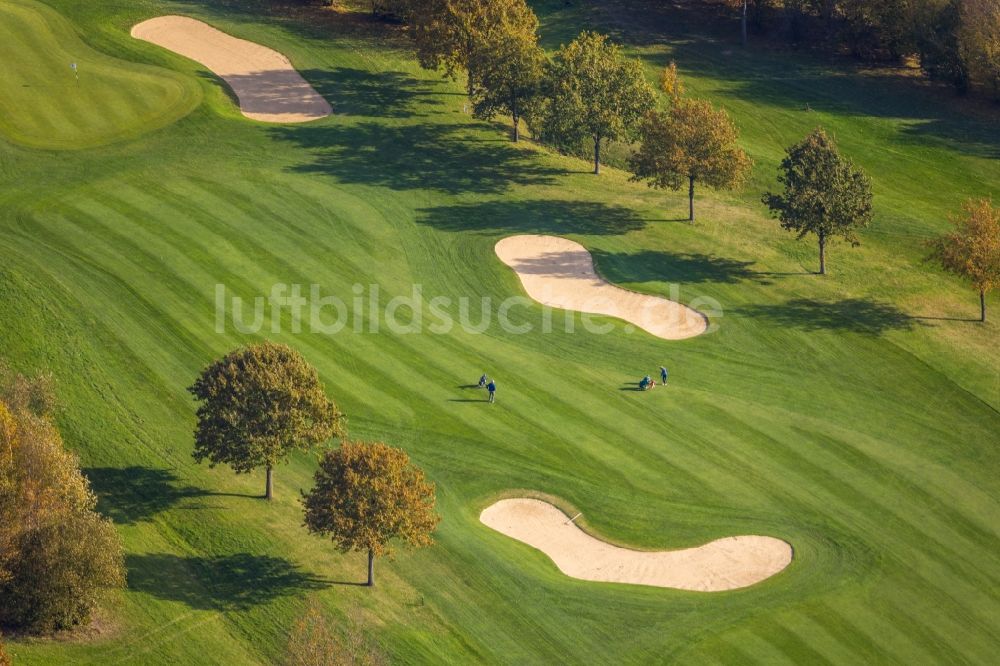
448,33
366,495
825,193
972,249
58,557
592,91
259,403
506,76
690,143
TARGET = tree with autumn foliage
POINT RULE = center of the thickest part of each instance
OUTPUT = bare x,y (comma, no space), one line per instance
979,42
691,142
972,249
5,659
505,77
825,193
365,496
592,91
58,556
449,33
258,404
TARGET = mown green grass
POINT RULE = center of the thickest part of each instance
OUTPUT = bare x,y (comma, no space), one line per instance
828,412
44,104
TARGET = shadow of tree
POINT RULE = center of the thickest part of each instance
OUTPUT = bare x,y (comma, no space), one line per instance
224,583
356,92
857,315
132,494
686,267
533,217
703,38
422,156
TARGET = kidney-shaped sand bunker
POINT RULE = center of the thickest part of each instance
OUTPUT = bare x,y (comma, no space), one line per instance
268,86
560,273
723,564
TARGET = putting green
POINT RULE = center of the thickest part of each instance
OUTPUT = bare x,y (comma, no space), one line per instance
44,105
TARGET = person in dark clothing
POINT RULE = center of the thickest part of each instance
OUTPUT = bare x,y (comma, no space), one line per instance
492,388
663,375
483,380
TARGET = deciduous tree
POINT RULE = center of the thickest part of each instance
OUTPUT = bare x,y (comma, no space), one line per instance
825,193
972,249
258,404
448,33
58,557
593,92
690,143
979,42
506,76
368,494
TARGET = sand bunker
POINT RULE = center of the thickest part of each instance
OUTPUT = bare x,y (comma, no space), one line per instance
723,564
560,273
268,87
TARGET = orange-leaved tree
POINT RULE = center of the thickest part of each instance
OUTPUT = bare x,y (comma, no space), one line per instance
972,249
690,143
365,495
58,557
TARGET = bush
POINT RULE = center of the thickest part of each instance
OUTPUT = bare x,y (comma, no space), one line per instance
314,642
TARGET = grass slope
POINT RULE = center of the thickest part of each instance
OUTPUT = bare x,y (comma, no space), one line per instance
44,105
829,412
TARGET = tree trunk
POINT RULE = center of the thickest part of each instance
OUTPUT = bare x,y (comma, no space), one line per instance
517,126
597,156
691,199
822,254
269,487
982,305
371,569
743,24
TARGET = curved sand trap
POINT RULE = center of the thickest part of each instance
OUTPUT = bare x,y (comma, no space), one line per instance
560,273
723,564
268,87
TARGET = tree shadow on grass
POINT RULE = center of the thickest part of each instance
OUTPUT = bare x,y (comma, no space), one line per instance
349,91
420,156
686,267
129,495
533,217
356,92
704,39
858,315
224,583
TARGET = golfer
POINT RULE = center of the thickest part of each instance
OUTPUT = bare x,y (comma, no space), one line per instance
492,388
663,375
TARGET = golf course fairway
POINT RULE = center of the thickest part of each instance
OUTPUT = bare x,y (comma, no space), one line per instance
852,416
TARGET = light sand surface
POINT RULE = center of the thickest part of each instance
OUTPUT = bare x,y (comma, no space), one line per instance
560,273
723,564
268,87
